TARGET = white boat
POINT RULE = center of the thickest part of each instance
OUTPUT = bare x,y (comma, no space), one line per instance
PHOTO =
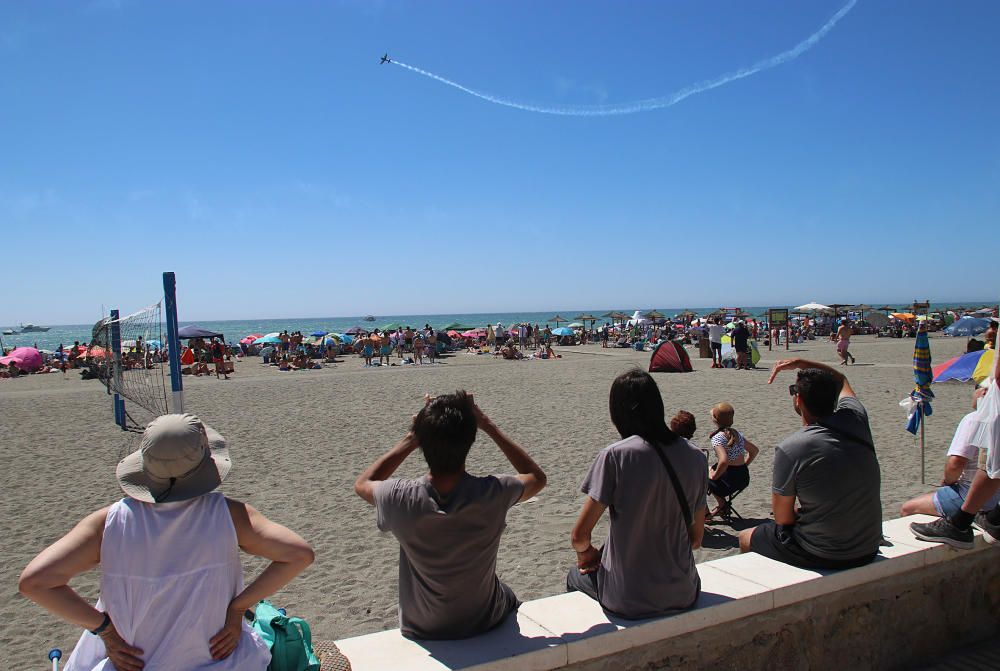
9,332
31,328
369,318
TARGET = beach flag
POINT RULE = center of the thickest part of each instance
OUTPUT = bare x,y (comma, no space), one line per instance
923,375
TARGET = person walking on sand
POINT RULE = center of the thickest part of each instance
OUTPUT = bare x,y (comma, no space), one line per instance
844,342
715,331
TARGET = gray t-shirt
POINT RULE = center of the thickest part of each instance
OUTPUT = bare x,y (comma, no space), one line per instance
448,587
832,469
647,566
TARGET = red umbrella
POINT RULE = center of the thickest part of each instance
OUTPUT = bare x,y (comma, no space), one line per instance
475,333
250,338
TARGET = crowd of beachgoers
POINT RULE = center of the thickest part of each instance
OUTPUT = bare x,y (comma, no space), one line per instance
406,345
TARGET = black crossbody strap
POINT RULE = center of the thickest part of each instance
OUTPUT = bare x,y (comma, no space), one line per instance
681,498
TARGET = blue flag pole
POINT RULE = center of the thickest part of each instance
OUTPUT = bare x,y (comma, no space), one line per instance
173,342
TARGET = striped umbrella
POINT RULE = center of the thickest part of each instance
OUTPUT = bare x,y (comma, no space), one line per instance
921,395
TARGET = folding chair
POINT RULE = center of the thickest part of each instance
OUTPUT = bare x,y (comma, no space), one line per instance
729,511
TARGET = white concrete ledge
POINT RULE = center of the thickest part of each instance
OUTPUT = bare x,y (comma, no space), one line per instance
572,629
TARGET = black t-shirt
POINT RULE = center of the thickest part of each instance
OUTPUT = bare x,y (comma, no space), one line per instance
741,336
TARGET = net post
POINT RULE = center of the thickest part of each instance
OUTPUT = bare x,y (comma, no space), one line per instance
173,342
116,368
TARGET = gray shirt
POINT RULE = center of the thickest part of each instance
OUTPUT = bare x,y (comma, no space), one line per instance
448,587
832,469
647,564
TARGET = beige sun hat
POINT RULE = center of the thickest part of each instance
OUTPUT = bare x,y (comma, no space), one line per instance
179,458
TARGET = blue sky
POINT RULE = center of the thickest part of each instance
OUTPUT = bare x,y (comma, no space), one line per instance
260,151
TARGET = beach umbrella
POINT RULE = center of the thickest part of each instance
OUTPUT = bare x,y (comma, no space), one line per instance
188,332
344,338
920,397
968,326
454,334
457,326
975,366
813,307
475,333
249,339
319,334
268,339
575,325
392,326
562,331
354,330
557,319
25,358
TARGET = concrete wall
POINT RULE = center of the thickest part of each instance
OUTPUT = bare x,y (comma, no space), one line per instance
915,602
897,623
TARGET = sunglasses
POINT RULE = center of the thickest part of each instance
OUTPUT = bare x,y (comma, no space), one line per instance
793,389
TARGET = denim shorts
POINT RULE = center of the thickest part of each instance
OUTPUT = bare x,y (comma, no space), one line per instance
947,500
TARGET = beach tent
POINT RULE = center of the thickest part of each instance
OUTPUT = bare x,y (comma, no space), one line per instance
187,332
968,326
669,357
25,358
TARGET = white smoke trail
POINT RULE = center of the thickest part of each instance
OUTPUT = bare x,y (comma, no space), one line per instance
649,104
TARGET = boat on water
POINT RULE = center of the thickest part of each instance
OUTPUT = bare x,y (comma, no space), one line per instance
369,318
32,328
9,332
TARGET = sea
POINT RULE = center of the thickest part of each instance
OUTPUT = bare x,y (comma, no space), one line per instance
236,329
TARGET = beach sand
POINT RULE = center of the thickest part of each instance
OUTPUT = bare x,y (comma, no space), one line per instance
299,439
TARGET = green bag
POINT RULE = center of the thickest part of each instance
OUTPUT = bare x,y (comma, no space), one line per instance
288,638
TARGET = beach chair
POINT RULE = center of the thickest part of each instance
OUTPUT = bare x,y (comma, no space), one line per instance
729,512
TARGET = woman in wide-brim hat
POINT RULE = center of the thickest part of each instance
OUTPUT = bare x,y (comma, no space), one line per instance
172,593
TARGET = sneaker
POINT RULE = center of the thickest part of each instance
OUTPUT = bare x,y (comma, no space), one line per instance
991,532
942,530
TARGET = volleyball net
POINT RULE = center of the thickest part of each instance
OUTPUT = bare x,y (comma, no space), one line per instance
135,355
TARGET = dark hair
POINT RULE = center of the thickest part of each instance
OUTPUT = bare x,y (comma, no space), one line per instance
637,408
819,391
683,424
445,429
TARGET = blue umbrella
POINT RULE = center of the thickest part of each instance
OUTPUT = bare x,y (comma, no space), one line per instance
563,331
319,334
967,327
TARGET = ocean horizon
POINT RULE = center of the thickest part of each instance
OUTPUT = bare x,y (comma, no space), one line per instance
235,329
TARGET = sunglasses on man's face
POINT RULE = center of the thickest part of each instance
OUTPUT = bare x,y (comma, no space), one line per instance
793,389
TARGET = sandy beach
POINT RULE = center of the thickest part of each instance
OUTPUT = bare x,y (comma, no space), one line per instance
299,439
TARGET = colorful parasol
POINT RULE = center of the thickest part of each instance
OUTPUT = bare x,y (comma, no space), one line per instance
975,366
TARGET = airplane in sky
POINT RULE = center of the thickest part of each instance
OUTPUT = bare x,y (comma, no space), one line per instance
385,59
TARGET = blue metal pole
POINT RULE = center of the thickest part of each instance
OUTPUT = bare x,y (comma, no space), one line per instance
173,342
116,368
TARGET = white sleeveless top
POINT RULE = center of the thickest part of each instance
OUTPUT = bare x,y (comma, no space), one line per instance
169,571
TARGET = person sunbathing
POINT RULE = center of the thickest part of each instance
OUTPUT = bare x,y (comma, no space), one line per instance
172,593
